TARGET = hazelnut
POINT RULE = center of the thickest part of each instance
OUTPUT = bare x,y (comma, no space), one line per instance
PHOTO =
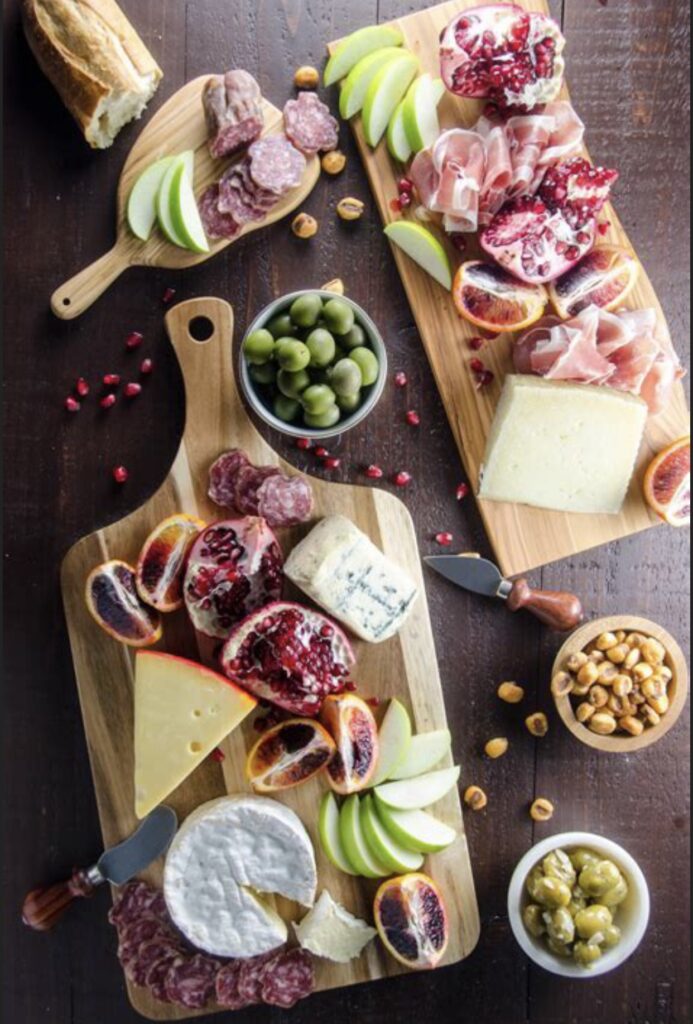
541,809
588,674
576,661
633,725
602,723
350,208
605,641
562,684
511,693
537,723
653,652
584,711
475,798
333,162
598,696
307,77
304,226
496,747
336,285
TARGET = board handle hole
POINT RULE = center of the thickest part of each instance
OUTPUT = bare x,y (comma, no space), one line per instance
200,329
66,302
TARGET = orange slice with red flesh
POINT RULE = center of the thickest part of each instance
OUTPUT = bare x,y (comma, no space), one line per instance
289,754
112,599
489,297
604,277
411,919
354,730
160,566
667,483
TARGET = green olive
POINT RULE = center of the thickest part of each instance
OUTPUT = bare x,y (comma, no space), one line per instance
598,878
612,936
258,347
293,356
286,408
321,347
591,920
552,893
349,403
339,316
533,918
345,378
355,338
328,418
586,953
264,374
533,879
305,310
557,864
317,399
367,364
561,926
613,897
292,384
581,857
577,903
559,948
281,326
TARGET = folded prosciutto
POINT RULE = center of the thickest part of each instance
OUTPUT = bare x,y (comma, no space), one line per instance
467,175
625,350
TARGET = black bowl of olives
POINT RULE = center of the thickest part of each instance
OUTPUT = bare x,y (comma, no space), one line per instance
313,364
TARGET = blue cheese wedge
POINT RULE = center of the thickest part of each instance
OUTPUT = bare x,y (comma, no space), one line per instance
346,574
563,446
330,931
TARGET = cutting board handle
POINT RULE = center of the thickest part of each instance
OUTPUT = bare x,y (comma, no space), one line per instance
78,294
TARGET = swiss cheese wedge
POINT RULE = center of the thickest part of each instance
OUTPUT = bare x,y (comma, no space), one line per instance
182,712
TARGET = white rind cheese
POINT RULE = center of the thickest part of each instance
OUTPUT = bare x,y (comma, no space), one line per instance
227,852
563,446
330,931
347,575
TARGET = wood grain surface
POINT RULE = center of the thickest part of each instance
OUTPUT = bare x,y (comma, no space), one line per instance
628,74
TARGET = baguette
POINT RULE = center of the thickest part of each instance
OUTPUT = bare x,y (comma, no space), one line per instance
102,70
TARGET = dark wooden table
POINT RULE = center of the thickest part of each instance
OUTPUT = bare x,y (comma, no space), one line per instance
628,71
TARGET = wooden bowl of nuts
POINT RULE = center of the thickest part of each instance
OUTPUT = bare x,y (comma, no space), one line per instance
620,683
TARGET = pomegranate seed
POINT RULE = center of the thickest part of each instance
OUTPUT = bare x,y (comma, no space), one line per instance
444,539
412,417
82,387
71,404
107,401
373,472
350,687
134,340
402,478
332,463
218,755
405,185
462,491
401,379
132,390
373,702
146,366
476,366
603,226
111,380
322,453
304,443
572,252
476,343
168,295
405,200
396,205
120,474
458,240
484,379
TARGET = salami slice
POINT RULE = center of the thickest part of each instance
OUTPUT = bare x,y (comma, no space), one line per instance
158,973
144,928
309,124
222,477
148,954
249,479
226,988
276,164
237,200
216,223
288,978
285,500
250,979
233,111
135,898
190,983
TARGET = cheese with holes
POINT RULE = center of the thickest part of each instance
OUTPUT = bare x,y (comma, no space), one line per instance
330,931
347,575
225,856
558,445
182,712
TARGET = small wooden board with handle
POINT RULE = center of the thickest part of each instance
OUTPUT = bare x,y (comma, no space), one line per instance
404,666
522,537
177,126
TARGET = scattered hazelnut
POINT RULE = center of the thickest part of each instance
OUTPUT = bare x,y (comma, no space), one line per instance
307,77
496,747
304,226
350,208
511,693
333,162
537,723
541,809
475,798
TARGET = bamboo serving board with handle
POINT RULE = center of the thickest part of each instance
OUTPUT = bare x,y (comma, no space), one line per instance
404,666
522,537
177,126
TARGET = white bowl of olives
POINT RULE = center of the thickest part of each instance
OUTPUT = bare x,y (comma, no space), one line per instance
313,364
578,904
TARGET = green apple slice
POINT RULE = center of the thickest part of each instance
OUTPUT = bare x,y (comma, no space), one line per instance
416,830
354,842
382,844
185,214
423,247
163,198
394,737
141,209
356,46
328,830
384,93
421,113
355,86
397,141
413,794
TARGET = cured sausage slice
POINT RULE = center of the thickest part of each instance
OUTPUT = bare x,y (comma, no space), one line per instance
276,164
251,974
249,479
309,124
222,477
190,982
227,991
242,198
148,954
288,978
233,111
285,500
135,898
216,223
155,979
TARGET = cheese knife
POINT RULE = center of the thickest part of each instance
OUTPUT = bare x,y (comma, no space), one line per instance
557,609
44,906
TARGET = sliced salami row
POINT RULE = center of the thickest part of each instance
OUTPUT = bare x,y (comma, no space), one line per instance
276,979
309,124
234,482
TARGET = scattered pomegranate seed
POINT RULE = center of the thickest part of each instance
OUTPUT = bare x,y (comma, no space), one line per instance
168,295
373,702
132,390
111,380
476,366
458,240
218,755
146,366
396,205
322,453
332,463
484,378
444,539
71,404
603,226
476,343
373,472
134,340
462,491
350,687
120,474
401,379
405,185
304,443
82,387
402,478
412,417
404,200
107,401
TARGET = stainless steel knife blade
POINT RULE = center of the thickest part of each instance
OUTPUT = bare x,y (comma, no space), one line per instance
136,852
471,572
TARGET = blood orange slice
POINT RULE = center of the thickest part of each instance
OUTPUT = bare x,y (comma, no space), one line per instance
490,297
411,920
160,566
604,277
355,732
289,754
667,484
112,599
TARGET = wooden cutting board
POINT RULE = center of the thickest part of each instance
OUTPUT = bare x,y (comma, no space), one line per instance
522,537
404,666
178,125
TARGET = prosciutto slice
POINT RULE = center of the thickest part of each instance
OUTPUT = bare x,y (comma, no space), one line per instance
449,176
623,350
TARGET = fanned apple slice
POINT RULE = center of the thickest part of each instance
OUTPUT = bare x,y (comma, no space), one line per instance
384,93
356,46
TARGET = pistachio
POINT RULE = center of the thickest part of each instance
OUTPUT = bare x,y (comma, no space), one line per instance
333,162
304,226
350,208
